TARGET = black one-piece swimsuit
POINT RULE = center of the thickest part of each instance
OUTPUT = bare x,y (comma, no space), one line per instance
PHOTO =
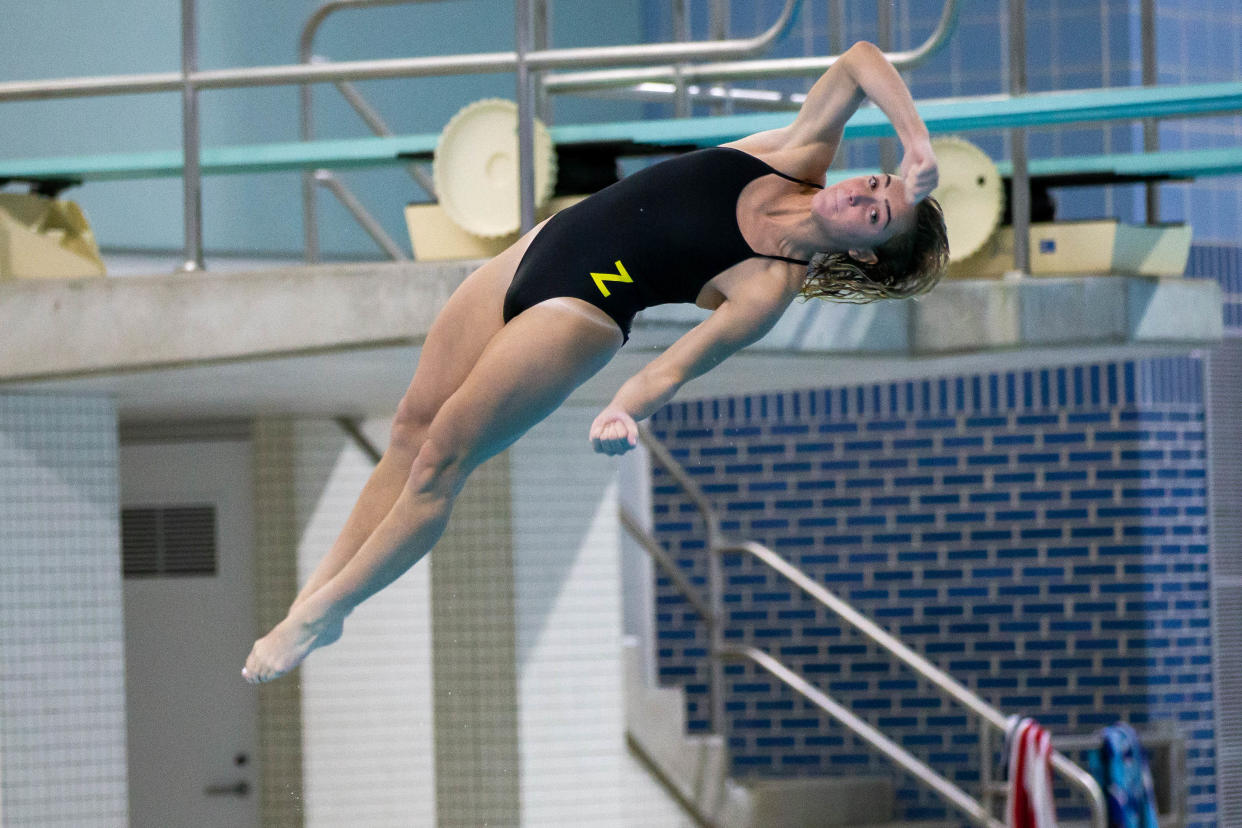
654,237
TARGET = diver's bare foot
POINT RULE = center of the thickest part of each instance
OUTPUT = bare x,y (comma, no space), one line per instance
291,641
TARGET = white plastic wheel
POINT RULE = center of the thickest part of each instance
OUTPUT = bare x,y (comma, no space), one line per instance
970,193
475,168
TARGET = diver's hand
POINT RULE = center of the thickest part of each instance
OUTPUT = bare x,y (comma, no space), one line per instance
614,431
919,170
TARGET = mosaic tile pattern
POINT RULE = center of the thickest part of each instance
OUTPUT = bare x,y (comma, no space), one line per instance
1222,262
62,644
1041,535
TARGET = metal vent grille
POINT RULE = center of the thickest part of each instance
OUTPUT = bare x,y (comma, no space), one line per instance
1225,427
1225,491
1228,603
168,541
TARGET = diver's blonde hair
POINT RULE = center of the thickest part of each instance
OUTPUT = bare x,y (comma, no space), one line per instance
907,265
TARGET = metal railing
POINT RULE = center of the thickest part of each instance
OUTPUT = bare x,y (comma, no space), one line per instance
306,124
524,60
564,82
711,610
527,60
679,90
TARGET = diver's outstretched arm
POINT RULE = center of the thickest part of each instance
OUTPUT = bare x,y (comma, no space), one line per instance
738,322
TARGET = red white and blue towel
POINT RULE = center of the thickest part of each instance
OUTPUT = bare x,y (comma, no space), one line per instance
1028,751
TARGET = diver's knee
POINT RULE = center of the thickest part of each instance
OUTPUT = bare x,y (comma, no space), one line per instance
409,425
440,468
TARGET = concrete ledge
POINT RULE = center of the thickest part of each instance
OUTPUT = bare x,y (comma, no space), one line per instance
1069,311
98,327
974,315
979,315
52,328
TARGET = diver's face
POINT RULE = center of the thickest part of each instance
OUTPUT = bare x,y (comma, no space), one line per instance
866,211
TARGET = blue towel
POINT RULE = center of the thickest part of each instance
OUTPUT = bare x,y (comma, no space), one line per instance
1120,766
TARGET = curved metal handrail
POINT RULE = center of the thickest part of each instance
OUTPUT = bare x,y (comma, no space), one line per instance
961,800
523,60
306,126
565,82
1075,775
330,72
717,546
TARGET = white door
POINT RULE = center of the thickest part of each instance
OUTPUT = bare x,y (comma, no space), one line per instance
192,719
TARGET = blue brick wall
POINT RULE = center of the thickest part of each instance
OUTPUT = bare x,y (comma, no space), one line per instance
1041,535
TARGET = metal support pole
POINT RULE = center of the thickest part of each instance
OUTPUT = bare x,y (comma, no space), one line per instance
681,34
543,25
373,228
192,182
884,39
380,127
985,766
310,209
715,643
1020,191
718,29
836,26
526,116
1151,128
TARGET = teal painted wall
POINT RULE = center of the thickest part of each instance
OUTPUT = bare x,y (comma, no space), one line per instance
260,214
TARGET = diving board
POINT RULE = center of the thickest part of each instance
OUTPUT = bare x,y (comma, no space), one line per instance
949,115
1113,168
254,158
941,116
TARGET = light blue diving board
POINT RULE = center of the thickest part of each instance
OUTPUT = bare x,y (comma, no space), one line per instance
1125,103
1167,163
950,115
1139,165
257,158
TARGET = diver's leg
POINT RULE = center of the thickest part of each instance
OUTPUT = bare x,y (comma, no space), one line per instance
524,374
460,332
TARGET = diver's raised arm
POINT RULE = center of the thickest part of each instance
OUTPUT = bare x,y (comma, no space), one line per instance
861,72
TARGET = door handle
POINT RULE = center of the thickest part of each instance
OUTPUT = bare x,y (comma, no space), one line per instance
240,789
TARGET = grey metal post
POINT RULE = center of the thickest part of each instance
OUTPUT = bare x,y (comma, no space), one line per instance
985,765
884,39
1151,128
719,20
681,34
719,30
192,182
715,643
836,26
310,214
542,24
526,116
1020,192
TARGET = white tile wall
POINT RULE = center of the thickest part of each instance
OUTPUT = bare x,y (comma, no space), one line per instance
567,596
548,693
366,701
62,665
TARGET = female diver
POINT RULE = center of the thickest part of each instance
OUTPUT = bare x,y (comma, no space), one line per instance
740,230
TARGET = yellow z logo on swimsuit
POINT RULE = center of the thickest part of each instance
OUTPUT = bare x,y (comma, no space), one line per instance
619,276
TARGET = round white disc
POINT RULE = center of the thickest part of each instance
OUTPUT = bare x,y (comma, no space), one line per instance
475,168
970,193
